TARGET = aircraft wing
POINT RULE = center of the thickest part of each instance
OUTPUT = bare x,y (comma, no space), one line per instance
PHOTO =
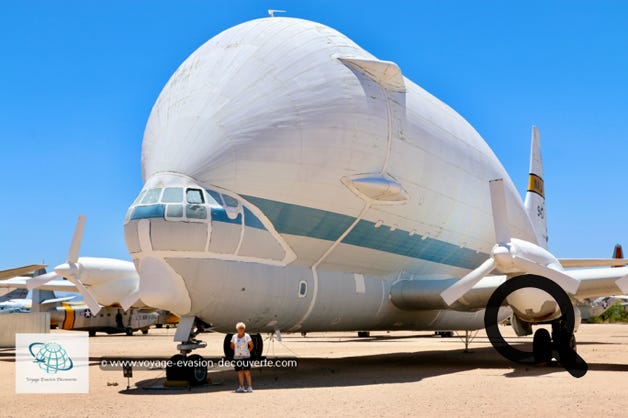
18,271
54,285
593,262
600,282
594,282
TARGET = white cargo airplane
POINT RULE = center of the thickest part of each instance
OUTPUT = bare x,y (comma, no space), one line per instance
296,182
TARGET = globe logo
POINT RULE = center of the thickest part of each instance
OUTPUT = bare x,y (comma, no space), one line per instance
51,357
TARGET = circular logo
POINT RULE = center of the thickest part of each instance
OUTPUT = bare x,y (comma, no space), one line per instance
51,357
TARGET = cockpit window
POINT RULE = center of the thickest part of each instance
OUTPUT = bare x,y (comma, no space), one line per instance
152,196
194,196
196,211
139,198
174,211
172,195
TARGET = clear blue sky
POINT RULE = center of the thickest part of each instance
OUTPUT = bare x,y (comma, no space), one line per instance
78,80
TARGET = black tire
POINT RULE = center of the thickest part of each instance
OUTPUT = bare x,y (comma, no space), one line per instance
176,372
542,346
159,325
144,331
196,371
364,334
258,346
128,331
92,333
226,347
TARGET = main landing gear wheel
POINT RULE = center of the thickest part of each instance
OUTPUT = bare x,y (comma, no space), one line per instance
542,346
258,346
563,328
226,347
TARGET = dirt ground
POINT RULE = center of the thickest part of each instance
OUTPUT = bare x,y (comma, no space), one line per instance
388,374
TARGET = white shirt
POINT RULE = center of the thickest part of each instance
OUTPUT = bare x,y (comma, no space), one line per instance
241,349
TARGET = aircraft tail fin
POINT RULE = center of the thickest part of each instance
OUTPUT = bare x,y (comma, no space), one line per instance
45,295
14,294
618,252
535,196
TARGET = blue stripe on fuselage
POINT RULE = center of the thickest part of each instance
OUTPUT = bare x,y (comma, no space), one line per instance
315,223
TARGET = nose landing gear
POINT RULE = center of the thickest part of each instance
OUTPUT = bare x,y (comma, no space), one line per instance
185,367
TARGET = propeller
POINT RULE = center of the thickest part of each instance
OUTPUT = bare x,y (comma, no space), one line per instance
509,255
70,270
130,299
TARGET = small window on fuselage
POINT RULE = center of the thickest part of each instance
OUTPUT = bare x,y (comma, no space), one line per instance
302,288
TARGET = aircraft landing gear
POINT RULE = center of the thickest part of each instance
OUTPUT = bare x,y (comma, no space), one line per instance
542,346
185,367
258,346
562,344
226,347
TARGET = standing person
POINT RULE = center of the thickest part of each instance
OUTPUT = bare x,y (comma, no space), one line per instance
242,345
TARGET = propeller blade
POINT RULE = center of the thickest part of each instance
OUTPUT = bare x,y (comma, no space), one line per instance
462,286
500,213
40,280
75,246
130,299
563,280
91,303
72,272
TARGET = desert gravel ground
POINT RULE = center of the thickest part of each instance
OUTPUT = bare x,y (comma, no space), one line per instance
388,374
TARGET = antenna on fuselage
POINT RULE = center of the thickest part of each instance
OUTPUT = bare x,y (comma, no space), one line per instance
271,12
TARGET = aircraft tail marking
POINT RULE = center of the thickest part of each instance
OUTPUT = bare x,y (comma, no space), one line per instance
535,196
